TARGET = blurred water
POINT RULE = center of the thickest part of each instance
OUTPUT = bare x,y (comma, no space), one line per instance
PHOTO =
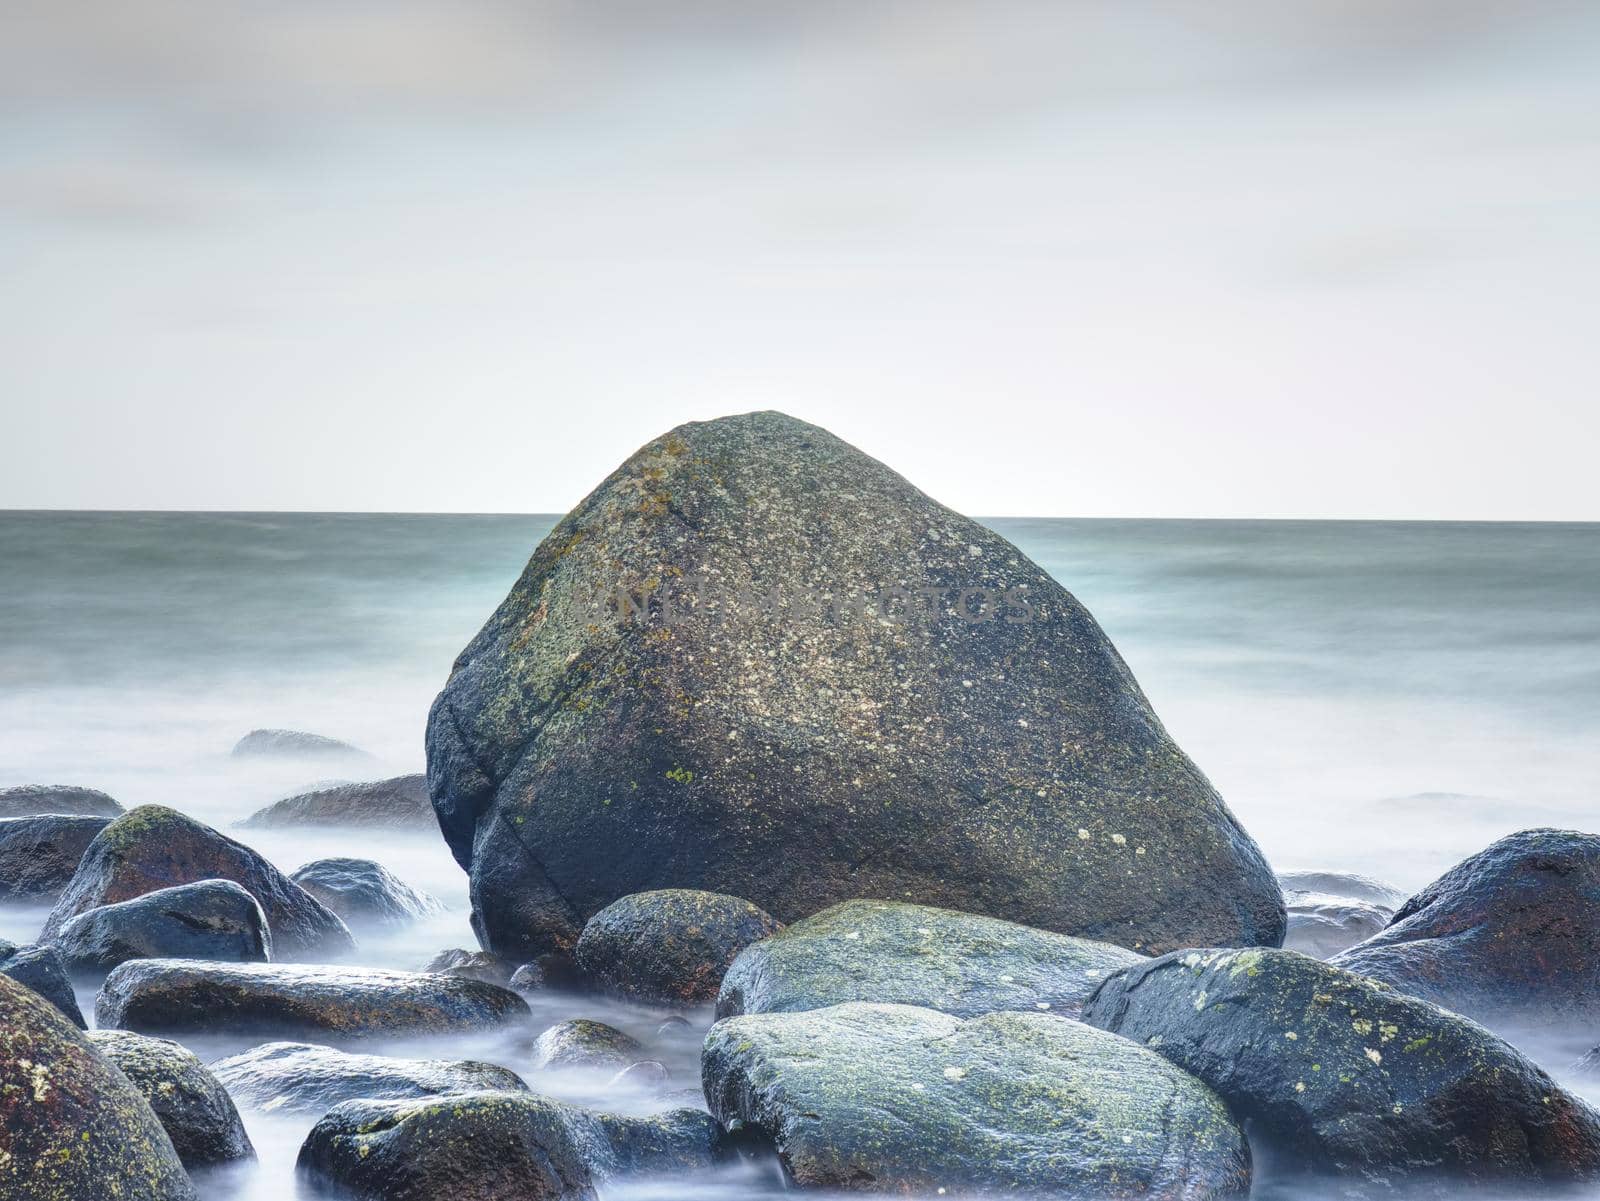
1380,697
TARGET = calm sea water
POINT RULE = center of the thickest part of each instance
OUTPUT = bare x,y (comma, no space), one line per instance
1380,697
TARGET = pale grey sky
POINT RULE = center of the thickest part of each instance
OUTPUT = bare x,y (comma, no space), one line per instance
1335,258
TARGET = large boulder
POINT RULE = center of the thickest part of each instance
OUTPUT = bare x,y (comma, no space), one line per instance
182,996
671,946
897,1099
756,661
39,854
210,919
1336,1074
365,894
286,1077
72,1127
958,963
400,803
154,847
495,1147
1510,937
29,799
42,969
295,744
189,1102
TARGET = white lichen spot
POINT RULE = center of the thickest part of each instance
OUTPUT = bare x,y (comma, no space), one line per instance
1398,1108
1127,1139
955,1073
1023,722
1299,1086
1120,839
1041,1004
1006,979
1083,835
1291,1036
1200,1000
1192,959
975,552
1040,793
918,1087
1375,1055
853,935
1138,850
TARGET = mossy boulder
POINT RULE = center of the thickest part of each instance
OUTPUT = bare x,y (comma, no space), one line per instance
182,996
29,799
1335,1074
40,854
398,803
582,1043
42,969
898,1099
494,1147
958,963
154,847
365,894
871,695
188,1100
72,1127
210,919
670,946
1510,936
284,1077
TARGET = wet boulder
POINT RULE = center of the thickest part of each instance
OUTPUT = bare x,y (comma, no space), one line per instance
898,1099
671,946
294,744
1347,886
1335,1074
346,1004
209,919
582,1043
554,971
1510,936
398,803
189,1102
30,799
365,894
41,969
472,965
307,1078
495,1146
1330,912
74,1128
870,695
958,963
38,855
153,848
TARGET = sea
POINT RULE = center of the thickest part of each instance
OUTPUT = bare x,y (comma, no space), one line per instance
1377,697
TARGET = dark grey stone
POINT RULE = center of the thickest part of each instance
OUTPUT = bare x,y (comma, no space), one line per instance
191,1104
365,894
28,800
307,1078
209,919
38,855
400,803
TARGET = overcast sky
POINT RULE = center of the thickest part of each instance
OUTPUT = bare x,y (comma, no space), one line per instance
1315,259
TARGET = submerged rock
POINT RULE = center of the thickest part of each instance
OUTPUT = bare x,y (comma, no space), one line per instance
74,1128
494,1147
38,855
1336,1074
210,919
180,996
41,969
153,848
581,1043
554,971
365,894
472,965
799,747
1510,936
1345,885
306,1078
897,1099
30,799
669,946
190,1103
958,963
1330,912
294,744
399,803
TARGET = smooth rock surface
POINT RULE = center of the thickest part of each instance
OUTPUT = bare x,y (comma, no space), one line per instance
190,1103
294,744
803,752
472,965
209,919
1325,927
671,946
897,1099
1347,885
27,800
365,894
582,1043
285,1077
1336,1074
181,996
39,854
958,963
154,847
1510,936
398,803
41,969
74,1128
